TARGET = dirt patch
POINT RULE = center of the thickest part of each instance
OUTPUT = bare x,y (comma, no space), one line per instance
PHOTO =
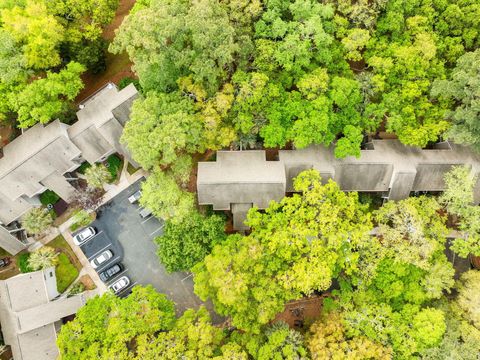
299,314
123,9
87,281
118,66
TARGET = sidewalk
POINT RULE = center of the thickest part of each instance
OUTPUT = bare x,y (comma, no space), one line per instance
64,229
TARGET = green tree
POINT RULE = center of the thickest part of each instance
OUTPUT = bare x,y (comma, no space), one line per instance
97,175
192,337
469,295
277,342
169,39
107,326
42,258
37,220
162,195
295,247
462,89
47,98
328,339
458,200
38,31
187,242
161,127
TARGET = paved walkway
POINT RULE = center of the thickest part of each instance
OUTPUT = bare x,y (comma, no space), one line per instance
64,229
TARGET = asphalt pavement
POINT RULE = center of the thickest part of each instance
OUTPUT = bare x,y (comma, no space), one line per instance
121,229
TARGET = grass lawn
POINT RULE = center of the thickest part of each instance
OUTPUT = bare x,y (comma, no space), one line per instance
131,169
65,272
68,265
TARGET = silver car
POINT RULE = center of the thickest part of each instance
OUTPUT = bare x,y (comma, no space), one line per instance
84,235
135,197
102,258
120,284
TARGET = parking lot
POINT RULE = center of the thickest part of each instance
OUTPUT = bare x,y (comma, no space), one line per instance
121,229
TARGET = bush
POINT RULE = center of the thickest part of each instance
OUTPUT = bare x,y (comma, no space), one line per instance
81,218
42,258
123,83
82,168
65,272
97,175
37,220
23,263
114,165
49,197
78,288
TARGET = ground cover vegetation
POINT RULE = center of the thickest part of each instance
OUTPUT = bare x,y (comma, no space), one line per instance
390,290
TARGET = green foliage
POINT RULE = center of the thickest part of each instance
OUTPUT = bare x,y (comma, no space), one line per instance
83,167
77,288
65,272
463,91
192,337
49,197
45,99
458,200
115,165
97,175
288,253
468,294
162,195
161,126
187,242
124,82
277,341
23,263
171,39
107,325
328,338
81,219
36,220
42,258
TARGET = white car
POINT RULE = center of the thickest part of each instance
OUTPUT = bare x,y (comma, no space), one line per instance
135,197
84,235
120,284
102,258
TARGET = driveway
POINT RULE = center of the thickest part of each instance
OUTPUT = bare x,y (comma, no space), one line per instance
122,230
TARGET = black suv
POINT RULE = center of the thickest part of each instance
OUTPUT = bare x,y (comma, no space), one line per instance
110,272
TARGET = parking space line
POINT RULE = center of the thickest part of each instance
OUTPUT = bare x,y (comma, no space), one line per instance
149,217
98,252
186,277
160,228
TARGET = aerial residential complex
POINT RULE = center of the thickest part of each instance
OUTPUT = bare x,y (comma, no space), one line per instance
43,156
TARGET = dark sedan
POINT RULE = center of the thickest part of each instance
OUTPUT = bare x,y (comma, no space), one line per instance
111,272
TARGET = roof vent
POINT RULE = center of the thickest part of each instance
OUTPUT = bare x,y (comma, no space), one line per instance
81,106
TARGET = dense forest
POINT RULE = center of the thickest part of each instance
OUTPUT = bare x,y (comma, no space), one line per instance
245,74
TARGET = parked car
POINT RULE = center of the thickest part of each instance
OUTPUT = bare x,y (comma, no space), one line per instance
135,197
5,262
110,272
144,213
84,235
120,284
101,259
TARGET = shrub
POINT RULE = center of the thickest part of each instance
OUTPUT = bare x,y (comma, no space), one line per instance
97,175
37,220
77,288
23,263
123,83
42,258
65,272
81,218
82,168
114,164
49,197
